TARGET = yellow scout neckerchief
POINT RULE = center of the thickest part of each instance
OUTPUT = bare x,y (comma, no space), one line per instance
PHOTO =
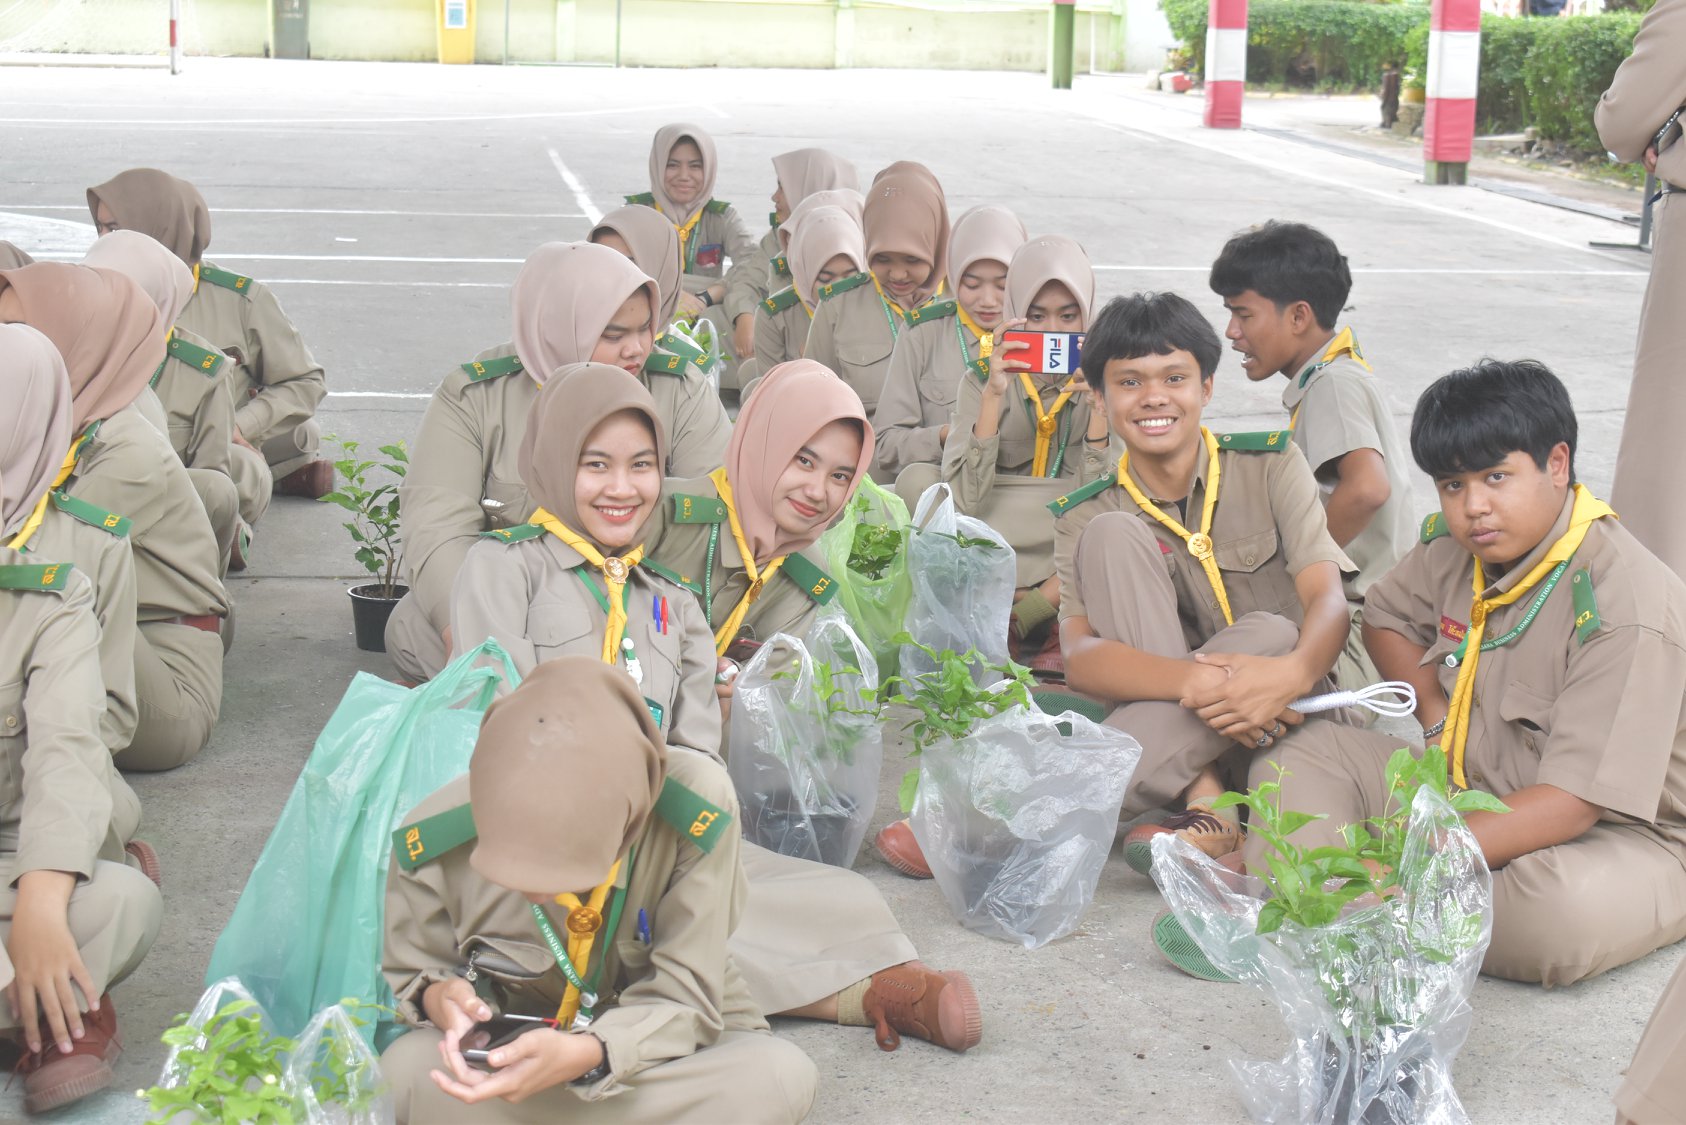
1587,509
986,340
33,523
583,922
1344,343
724,636
687,252
1200,542
894,313
1045,422
615,572
196,277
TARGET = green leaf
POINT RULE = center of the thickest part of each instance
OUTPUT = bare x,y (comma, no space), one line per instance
909,790
1291,822
1475,800
1271,916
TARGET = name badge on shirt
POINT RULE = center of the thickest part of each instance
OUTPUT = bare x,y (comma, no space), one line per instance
1452,630
709,255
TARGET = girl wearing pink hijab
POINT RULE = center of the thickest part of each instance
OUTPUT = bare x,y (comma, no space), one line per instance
860,318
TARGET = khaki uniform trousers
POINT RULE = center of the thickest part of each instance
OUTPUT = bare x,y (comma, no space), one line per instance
747,1077
293,448
1129,598
913,480
1654,1089
222,505
253,481
414,645
114,917
178,684
1560,914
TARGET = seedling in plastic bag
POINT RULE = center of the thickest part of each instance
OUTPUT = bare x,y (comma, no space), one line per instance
231,1071
876,546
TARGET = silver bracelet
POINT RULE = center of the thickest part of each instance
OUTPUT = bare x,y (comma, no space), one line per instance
1430,732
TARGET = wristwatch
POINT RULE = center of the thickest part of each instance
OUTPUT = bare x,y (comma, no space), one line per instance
598,1072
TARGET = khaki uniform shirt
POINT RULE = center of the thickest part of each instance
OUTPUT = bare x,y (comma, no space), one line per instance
720,236
1267,527
129,468
273,380
99,548
56,788
1337,409
198,409
755,277
781,329
1597,710
524,595
680,542
661,1000
926,368
852,334
465,476
1648,87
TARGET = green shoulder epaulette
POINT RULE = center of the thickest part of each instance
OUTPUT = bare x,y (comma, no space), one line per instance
698,509
782,300
514,534
672,576
643,197
816,582
716,207
673,354
431,837
479,370
1433,527
781,266
225,279
203,360
936,310
691,816
1263,441
1587,620
22,576
843,285
91,514
1094,488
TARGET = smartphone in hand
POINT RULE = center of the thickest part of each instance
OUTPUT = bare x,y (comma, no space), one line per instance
499,1031
1048,353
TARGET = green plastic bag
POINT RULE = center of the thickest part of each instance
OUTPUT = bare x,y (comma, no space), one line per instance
308,928
875,598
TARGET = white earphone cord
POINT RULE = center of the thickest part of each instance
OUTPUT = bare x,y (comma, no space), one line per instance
1393,699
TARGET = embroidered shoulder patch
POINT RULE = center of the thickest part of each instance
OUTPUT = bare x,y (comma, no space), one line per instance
815,582
91,514
479,370
843,285
431,837
672,576
691,816
1587,620
514,534
1094,488
225,279
22,576
1434,526
698,509
1262,441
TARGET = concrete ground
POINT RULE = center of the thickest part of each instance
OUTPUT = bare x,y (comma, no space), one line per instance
390,206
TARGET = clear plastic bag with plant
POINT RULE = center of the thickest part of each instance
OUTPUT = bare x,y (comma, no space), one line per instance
866,552
806,743
1370,949
962,575
333,1076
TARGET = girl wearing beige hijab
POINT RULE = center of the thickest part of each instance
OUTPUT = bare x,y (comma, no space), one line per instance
11,257
193,396
825,246
111,335
860,318
572,302
932,356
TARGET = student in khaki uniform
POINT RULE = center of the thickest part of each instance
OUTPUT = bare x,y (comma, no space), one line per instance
1654,1087
464,477
112,338
76,913
274,381
683,166
1547,647
797,175
947,339
199,416
1284,285
1650,88
33,438
860,318
817,941
1200,592
586,830
826,244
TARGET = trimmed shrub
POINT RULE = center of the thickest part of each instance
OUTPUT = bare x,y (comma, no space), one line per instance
1328,44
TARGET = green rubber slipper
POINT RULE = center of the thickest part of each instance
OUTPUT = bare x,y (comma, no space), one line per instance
1179,949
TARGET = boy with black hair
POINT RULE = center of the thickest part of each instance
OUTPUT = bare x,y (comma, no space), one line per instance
1284,285
1548,650
1201,592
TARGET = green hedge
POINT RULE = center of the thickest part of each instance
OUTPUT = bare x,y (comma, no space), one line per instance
1329,44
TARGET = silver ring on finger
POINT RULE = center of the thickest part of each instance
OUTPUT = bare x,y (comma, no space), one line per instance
1262,741
1276,731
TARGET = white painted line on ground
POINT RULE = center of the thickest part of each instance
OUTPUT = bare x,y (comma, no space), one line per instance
575,186
1412,271
377,394
221,256
390,284
83,207
472,118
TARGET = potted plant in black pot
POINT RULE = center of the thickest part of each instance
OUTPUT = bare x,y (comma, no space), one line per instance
374,529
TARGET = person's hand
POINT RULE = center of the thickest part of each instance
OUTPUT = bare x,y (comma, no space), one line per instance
240,440
725,678
942,434
1651,160
1003,370
690,304
46,961
743,335
1251,699
454,1008
529,1065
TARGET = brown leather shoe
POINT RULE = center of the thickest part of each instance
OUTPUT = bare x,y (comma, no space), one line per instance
147,859
313,482
897,845
939,1007
52,1079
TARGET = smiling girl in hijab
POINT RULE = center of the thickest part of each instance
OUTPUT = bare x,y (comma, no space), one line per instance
192,393
859,318
955,337
825,245
123,470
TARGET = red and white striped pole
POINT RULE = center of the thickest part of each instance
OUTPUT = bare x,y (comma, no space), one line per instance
175,36
1226,62
1454,73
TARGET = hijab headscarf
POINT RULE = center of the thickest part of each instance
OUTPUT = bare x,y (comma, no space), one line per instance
1045,258
906,214
792,403
666,138
11,257
35,429
825,232
806,170
984,234
158,204
655,250
853,202
571,405
149,264
563,298
107,329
